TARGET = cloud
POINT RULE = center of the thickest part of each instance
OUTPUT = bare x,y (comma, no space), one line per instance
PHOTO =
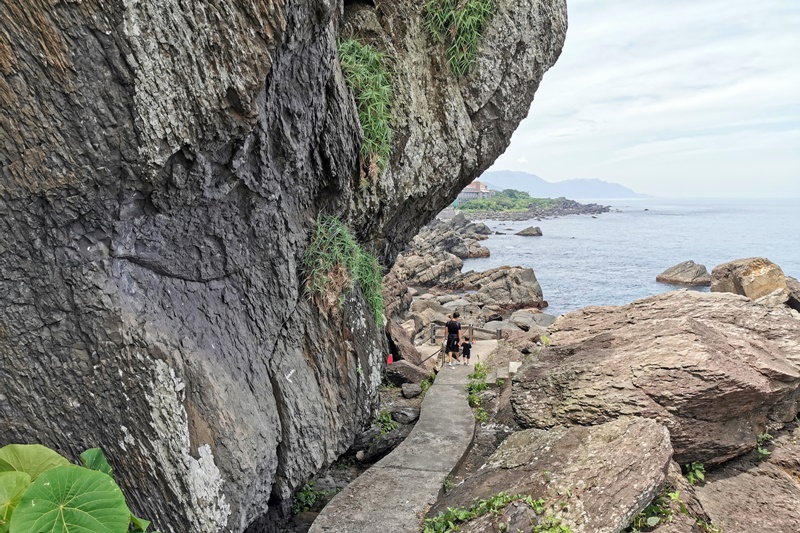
671,98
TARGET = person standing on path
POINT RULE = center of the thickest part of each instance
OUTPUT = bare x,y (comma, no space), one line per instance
453,333
466,348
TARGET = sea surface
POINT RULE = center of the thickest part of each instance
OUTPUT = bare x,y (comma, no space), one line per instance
614,259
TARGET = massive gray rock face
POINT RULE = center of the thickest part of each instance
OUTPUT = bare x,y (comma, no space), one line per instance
162,165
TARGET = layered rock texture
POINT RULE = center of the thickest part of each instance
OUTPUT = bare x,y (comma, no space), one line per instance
162,166
715,369
686,273
757,278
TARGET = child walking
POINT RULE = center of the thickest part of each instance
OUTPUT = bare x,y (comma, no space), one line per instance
466,347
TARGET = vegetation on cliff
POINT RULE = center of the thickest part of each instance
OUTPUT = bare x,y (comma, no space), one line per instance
367,76
508,200
334,261
459,25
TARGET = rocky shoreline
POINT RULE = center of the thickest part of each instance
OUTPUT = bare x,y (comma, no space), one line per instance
561,207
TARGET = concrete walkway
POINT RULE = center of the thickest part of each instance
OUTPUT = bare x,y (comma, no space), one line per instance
396,492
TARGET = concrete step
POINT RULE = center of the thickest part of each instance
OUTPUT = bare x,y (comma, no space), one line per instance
503,373
491,378
513,366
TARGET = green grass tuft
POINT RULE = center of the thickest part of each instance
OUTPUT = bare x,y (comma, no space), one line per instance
334,261
367,75
459,25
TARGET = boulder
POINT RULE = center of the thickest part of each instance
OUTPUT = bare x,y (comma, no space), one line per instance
427,269
531,231
503,326
752,495
713,368
757,278
405,415
604,475
401,344
505,287
794,293
686,273
527,320
401,372
411,390
457,304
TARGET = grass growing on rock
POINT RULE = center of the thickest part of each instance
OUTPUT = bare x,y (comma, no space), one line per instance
459,25
334,261
367,75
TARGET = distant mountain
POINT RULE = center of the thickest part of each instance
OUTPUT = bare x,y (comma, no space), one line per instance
539,188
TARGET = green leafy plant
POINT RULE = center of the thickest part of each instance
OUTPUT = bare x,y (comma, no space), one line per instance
385,422
500,382
447,484
365,70
449,520
658,512
425,384
334,261
481,415
306,498
761,445
477,383
695,473
459,25
41,490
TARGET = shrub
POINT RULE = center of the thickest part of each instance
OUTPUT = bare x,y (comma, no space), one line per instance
334,261
366,73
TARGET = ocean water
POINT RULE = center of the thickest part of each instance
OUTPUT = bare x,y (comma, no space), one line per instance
614,259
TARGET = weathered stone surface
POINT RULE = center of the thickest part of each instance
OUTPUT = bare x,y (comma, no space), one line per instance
686,273
411,390
757,278
529,320
400,343
793,286
713,368
428,269
405,415
506,287
605,474
530,231
162,165
401,372
752,495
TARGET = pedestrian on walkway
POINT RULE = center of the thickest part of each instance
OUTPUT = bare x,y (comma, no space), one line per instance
453,333
466,348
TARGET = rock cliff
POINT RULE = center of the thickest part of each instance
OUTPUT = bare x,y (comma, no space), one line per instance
162,166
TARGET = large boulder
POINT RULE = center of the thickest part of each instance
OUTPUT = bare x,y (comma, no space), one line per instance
757,278
401,344
603,474
686,273
714,368
794,293
505,287
400,372
752,495
427,269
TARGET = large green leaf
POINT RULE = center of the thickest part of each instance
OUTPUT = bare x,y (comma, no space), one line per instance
95,459
12,487
33,459
71,499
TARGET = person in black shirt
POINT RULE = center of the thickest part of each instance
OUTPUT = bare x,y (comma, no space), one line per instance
466,347
453,332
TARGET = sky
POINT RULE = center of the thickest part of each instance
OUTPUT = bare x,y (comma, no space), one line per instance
671,98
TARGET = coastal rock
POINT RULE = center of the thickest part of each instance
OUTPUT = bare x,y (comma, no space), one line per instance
793,286
505,287
752,495
401,372
529,320
604,474
163,166
686,273
405,415
757,278
531,231
396,295
428,269
714,368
